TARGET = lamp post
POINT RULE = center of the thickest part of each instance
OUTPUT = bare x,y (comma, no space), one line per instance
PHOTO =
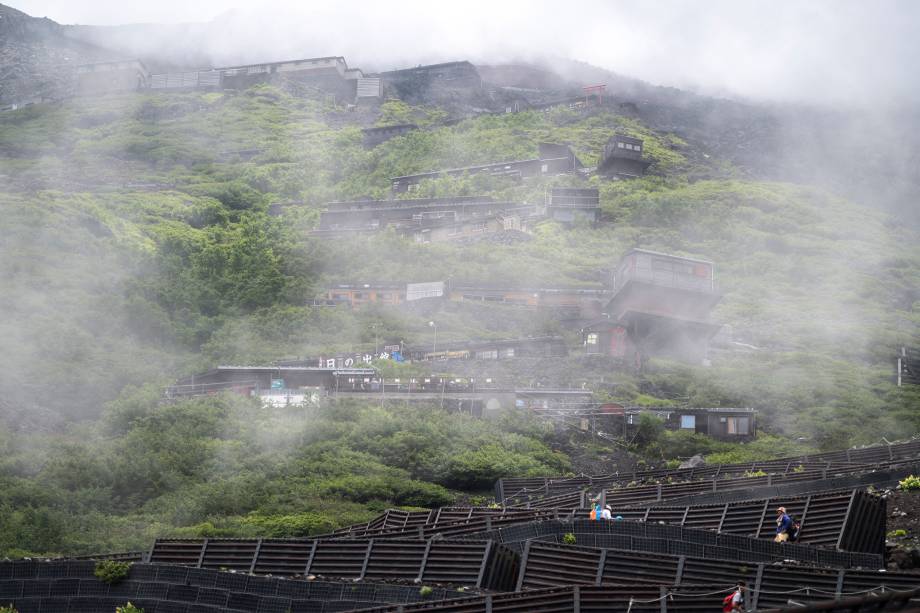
434,347
376,344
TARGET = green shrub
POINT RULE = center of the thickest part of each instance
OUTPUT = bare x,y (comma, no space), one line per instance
568,538
425,591
648,431
764,447
8,609
295,525
909,483
896,534
755,473
111,571
128,608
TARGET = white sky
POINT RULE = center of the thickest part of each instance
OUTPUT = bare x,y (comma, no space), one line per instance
833,51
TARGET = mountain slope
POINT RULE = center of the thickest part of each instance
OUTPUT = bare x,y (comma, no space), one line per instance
137,247
37,57
822,285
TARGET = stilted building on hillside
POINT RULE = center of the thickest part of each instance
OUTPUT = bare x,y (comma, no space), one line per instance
623,158
660,306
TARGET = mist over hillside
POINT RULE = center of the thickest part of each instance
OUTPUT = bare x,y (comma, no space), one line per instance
180,197
867,150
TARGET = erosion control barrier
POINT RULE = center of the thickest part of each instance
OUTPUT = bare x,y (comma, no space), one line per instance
548,565
655,599
848,521
646,494
886,601
60,586
448,526
832,462
878,479
675,540
719,488
579,598
692,481
483,564
425,523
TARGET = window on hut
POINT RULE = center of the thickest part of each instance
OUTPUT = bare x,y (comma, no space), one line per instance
737,425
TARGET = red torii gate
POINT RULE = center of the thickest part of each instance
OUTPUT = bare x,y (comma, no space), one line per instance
594,90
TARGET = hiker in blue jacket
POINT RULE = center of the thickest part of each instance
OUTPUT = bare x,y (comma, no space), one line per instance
783,524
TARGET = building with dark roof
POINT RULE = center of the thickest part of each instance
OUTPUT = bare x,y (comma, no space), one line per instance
381,134
623,158
425,219
330,74
723,423
453,74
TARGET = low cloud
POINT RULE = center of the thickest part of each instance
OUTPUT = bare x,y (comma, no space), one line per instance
841,53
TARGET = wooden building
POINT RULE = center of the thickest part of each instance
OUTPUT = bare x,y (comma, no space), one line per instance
660,306
262,381
623,158
572,302
553,159
518,219
424,219
193,79
357,295
731,424
330,74
571,204
381,134
541,400
107,77
459,75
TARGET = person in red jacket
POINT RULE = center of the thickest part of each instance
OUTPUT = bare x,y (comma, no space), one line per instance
734,602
